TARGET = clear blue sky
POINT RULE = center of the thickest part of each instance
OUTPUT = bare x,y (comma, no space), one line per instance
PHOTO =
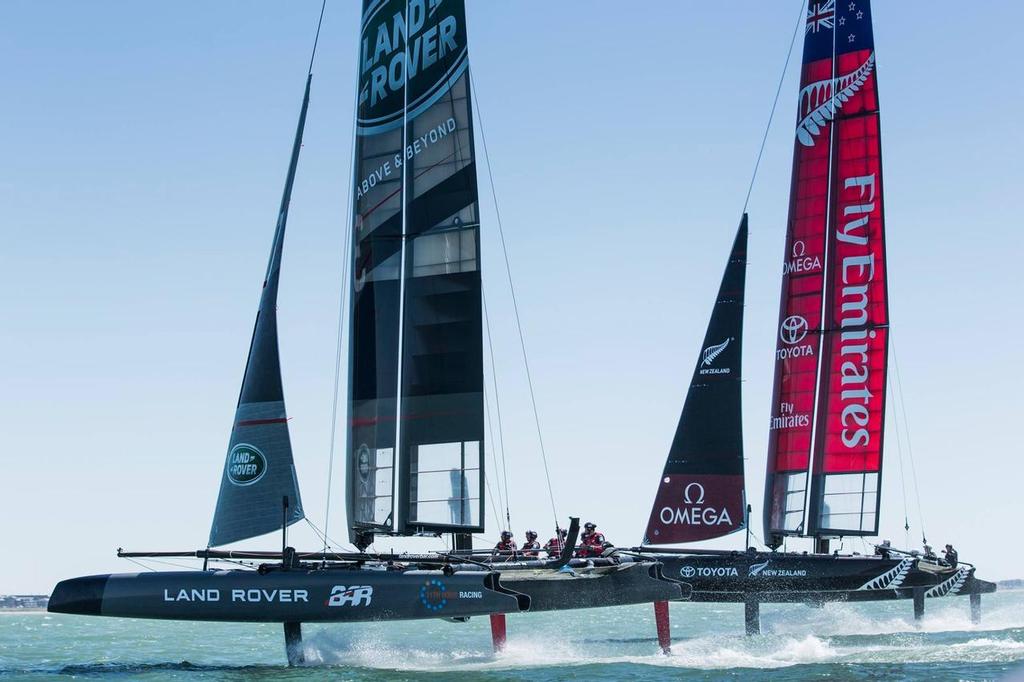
144,146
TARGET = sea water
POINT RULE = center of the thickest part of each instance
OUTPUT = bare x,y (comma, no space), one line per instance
838,641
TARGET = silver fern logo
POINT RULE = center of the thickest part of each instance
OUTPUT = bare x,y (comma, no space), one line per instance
755,569
819,101
709,355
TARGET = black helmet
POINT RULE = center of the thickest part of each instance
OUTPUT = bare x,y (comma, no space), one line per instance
562,532
506,535
590,525
531,535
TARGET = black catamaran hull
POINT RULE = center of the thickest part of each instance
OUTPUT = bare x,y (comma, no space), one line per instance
637,583
350,595
287,596
774,577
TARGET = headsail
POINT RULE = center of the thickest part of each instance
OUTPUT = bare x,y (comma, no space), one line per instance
259,471
701,494
417,348
833,294
845,483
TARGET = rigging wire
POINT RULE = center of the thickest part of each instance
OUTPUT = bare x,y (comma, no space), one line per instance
515,305
497,407
906,430
494,458
899,450
775,103
342,308
316,39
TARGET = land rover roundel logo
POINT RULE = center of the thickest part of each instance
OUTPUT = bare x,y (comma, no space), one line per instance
410,54
246,464
363,461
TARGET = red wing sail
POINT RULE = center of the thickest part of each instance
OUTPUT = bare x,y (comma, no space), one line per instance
851,407
800,315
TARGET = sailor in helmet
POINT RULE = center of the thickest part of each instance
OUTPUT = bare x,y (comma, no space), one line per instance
506,548
592,543
531,548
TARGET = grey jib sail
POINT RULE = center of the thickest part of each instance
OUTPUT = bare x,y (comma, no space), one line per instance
416,353
259,472
701,493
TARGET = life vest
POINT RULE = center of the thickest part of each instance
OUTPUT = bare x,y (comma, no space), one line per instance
531,548
591,544
554,547
506,546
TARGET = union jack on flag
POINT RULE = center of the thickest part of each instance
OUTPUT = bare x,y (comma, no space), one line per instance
820,14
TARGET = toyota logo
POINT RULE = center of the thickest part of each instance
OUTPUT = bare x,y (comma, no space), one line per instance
793,329
687,571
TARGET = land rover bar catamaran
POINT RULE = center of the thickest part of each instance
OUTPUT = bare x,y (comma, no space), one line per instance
415,446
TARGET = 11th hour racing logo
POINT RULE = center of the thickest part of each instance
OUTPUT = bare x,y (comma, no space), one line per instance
411,52
710,354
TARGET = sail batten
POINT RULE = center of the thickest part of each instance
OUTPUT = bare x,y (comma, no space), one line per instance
259,471
701,493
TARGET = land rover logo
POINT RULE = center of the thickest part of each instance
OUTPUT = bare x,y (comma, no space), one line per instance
410,53
363,459
246,464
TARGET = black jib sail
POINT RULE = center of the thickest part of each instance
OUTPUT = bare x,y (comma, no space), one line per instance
416,351
701,493
259,473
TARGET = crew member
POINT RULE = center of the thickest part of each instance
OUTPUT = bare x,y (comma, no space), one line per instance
952,558
592,543
531,548
883,549
555,544
506,548
929,554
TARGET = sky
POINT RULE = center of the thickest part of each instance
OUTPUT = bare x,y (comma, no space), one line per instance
144,147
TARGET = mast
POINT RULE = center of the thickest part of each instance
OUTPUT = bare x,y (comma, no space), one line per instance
701,494
797,351
846,480
259,471
416,356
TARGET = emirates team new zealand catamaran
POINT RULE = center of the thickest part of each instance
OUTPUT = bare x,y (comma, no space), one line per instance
415,456
825,434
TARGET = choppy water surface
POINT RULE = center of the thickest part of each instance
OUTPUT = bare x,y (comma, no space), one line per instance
871,641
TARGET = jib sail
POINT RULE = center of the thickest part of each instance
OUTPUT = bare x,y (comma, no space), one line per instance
701,494
259,472
416,441
851,406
